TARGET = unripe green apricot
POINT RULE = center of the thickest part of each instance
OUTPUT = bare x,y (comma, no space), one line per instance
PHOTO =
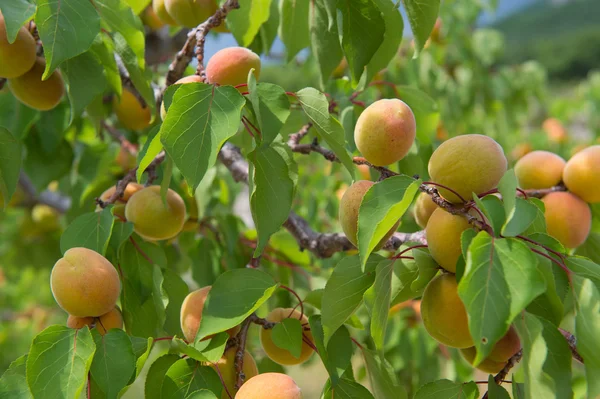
582,174
467,164
18,57
443,233
85,283
103,324
277,354
539,169
423,209
348,212
184,80
36,93
443,313
231,65
568,218
161,12
190,13
385,131
130,112
270,386
153,220
226,367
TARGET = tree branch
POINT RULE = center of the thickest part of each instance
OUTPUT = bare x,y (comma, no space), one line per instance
50,198
241,349
501,376
118,136
572,341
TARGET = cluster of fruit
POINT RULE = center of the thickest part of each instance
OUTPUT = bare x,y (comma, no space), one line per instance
20,64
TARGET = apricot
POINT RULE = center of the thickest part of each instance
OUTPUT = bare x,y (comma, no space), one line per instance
504,349
151,19
125,159
119,209
130,112
520,151
443,233
153,220
467,164
191,314
568,218
161,12
364,171
270,386
85,283
385,131
539,169
45,217
423,209
582,174
443,313
36,93
340,70
277,354
555,131
226,366
230,66
18,57
184,80
190,13
487,365
348,212
103,324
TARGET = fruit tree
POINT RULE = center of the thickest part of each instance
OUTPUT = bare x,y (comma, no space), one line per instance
354,215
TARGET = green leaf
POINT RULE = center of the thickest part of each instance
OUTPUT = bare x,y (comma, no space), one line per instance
166,180
59,353
152,147
446,389
13,383
501,278
271,107
67,28
392,37
234,295
549,304
381,208
138,5
590,248
187,376
121,231
121,18
90,230
145,362
337,354
344,291
267,33
245,22
156,375
103,49
316,106
213,349
53,125
587,330
546,359
293,26
381,375
179,347
43,168
273,177
378,298
114,362
199,121
16,116
492,208
324,40
176,290
288,335
421,17
16,13
519,212
85,81
585,268
424,107
362,33
496,391
347,389
10,166
201,394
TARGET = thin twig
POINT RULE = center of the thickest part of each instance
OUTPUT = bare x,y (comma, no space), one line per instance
50,198
241,349
572,341
120,137
501,376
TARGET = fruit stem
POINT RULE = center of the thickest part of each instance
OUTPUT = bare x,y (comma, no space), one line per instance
297,297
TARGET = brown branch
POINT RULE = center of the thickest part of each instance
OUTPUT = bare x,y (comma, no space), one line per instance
241,349
3,82
126,80
50,198
539,193
501,376
118,136
572,341
197,36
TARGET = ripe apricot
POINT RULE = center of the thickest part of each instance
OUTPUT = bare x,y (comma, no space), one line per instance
85,283
184,80
103,324
119,209
555,131
539,169
190,13
36,93
18,57
582,174
385,131
423,209
161,12
270,386
443,313
568,218
467,164
520,150
125,159
348,211
226,365
487,365
443,233
130,112
277,354
230,66
504,349
191,314
150,19
364,171
153,220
